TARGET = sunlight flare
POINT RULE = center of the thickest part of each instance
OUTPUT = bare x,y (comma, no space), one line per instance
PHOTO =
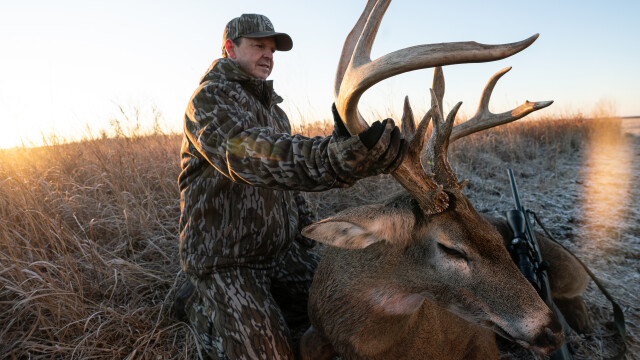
608,172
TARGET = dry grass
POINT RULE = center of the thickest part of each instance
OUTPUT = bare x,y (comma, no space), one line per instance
88,250
88,234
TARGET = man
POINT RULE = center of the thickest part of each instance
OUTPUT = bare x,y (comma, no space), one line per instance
240,241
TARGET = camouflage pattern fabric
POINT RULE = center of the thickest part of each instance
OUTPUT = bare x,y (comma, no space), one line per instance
236,314
241,212
234,229
239,163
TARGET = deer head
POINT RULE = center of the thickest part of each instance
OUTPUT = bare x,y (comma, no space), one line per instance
431,245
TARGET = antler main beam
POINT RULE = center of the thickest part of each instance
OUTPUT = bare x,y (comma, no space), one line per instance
357,73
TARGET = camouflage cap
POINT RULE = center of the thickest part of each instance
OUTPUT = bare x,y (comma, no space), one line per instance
255,26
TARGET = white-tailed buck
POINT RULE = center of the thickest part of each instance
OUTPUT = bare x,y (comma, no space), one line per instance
424,276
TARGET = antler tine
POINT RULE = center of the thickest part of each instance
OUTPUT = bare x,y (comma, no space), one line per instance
438,86
362,53
411,175
485,119
408,124
437,148
355,53
349,46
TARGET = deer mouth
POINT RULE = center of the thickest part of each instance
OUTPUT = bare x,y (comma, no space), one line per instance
505,334
501,332
545,343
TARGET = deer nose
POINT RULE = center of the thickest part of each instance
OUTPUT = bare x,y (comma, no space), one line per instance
550,338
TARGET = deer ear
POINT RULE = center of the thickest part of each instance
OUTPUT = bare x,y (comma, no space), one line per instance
359,227
338,233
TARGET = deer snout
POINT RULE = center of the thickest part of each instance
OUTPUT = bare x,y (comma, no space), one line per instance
549,339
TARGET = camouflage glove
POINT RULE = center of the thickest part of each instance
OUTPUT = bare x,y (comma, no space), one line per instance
377,150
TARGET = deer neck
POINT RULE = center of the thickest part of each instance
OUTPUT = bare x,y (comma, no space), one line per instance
383,330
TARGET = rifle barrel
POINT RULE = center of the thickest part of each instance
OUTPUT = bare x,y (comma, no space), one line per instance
514,190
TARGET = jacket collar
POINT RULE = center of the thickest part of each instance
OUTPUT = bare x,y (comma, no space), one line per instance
227,69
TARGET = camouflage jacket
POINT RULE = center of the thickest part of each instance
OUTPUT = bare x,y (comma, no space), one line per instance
240,169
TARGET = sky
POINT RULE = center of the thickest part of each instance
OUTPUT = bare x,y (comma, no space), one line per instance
68,67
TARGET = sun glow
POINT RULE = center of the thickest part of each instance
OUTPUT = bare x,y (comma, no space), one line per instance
608,174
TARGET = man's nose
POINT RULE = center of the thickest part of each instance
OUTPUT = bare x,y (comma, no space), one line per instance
268,54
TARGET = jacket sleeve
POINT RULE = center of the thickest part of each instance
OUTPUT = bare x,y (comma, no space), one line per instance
230,138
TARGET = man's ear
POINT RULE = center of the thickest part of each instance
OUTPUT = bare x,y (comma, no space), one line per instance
359,227
230,48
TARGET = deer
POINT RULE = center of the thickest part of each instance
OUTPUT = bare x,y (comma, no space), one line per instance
424,275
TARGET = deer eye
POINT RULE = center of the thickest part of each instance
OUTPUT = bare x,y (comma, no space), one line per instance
452,252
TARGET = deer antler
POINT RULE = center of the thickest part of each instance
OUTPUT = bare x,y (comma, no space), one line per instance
356,73
484,119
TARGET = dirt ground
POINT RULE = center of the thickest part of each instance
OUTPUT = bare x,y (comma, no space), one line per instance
594,210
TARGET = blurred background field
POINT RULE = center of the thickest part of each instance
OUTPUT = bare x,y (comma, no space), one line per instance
89,230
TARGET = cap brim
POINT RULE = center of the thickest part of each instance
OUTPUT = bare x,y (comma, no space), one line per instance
283,41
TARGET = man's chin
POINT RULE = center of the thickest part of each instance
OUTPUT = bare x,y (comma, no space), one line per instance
262,72
260,75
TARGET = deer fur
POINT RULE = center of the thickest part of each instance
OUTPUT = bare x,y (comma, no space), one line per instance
424,276
390,292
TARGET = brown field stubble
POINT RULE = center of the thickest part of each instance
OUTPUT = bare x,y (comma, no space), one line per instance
89,234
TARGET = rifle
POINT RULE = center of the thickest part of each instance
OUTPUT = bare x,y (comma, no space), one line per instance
526,252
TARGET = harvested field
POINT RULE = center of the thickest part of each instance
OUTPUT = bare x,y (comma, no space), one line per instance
88,232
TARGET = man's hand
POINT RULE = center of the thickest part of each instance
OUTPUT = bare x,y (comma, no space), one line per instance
378,150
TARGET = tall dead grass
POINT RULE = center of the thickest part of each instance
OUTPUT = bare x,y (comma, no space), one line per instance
89,234
88,250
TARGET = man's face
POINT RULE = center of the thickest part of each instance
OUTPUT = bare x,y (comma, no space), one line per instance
254,55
